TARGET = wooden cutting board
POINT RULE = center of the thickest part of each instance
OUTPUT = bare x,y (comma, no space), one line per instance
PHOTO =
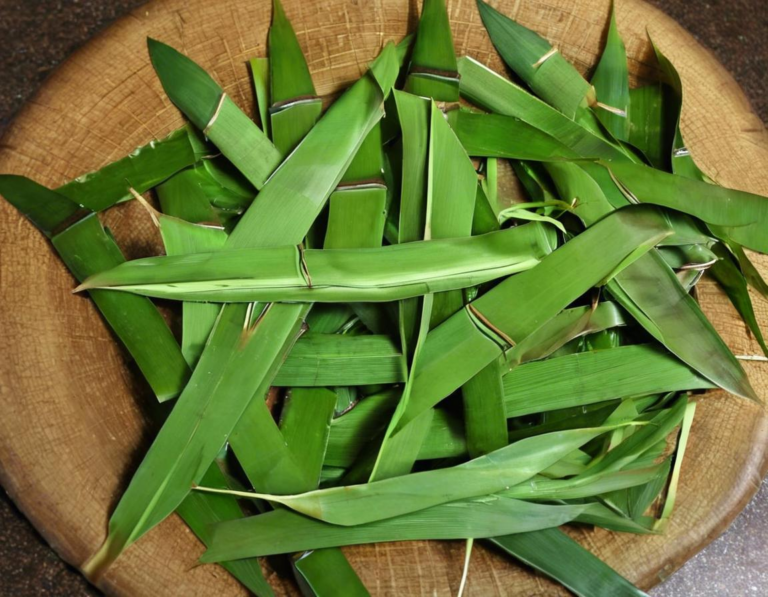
75,413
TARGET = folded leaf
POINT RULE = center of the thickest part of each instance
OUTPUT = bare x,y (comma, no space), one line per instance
339,275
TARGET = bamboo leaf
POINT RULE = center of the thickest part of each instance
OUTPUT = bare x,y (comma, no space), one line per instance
732,281
645,438
494,135
433,72
589,377
160,484
611,83
182,196
649,128
272,467
751,274
305,423
451,191
180,238
680,157
144,168
541,488
484,416
289,76
247,358
414,117
535,61
333,142
484,219
354,429
48,211
290,123
283,531
449,209
555,554
260,74
682,442
313,570
204,102
341,275
561,329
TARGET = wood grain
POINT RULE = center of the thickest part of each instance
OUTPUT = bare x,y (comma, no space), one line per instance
75,414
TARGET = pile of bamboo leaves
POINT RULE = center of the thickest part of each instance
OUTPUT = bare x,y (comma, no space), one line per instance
447,361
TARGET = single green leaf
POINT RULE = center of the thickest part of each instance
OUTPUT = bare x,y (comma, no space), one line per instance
589,377
561,329
327,573
682,442
283,531
555,554
260,74
291,122
732,281
289,77
144,168
360,504
680,156
484,417
433,72
305,422
204,102
537,63
611,82
649,128
494,135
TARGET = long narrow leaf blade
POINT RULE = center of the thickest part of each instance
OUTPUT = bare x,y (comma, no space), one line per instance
340,275
558,556
611,82
536,62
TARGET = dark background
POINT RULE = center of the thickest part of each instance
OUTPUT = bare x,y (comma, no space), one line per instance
39,34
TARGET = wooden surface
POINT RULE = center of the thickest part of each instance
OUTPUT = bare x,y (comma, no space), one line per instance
74,412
